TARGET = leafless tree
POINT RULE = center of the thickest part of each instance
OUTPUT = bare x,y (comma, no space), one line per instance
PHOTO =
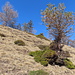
28,27
8,16
59,23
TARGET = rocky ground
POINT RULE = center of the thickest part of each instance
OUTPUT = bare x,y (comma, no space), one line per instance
15,60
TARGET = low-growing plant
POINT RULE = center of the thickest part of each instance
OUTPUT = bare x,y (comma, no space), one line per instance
38,72
44,47
2,35
37,58
36,53
47,56
41,56
48,53
42,36
69,64
19,42
44,63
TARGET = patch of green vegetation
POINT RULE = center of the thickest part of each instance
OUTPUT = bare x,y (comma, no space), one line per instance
47,56
19,42
48,53
39,56
69,64
44,47
2,35
42,36
38,72
44,63
36,53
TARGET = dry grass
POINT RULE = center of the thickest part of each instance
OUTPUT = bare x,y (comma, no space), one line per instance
14,60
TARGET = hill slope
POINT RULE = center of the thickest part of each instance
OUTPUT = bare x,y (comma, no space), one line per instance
14,59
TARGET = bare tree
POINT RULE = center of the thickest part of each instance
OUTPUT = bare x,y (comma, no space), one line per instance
28,27
72,43
8,16
19,27
25,27
59,23
30,23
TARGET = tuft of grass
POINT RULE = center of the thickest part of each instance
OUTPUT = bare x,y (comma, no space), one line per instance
38,72
41,36
69,64
19,42
2,35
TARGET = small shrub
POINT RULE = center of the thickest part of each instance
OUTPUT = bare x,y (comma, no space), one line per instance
19,42
44,47
41,36
69,64
38,72
48,53
2,35
36,53
44,63
42,56
32,53
37,59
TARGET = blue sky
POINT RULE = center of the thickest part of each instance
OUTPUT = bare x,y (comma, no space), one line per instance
31,9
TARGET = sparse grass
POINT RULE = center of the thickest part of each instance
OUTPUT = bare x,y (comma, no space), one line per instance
38,72
2,35
69,64
41,36
19,42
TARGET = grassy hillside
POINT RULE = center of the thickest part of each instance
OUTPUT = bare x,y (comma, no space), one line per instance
15,59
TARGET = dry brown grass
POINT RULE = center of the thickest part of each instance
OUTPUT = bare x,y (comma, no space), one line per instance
14,60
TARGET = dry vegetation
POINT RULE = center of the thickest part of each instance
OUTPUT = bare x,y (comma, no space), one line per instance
15,59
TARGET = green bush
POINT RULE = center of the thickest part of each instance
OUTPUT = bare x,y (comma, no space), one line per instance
42,36
44,47
37,58
2,35
48,53
41,56
44,63
69,64
36,53
47,56
19,42
38,72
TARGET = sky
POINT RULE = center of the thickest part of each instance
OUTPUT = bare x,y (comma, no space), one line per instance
31,10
